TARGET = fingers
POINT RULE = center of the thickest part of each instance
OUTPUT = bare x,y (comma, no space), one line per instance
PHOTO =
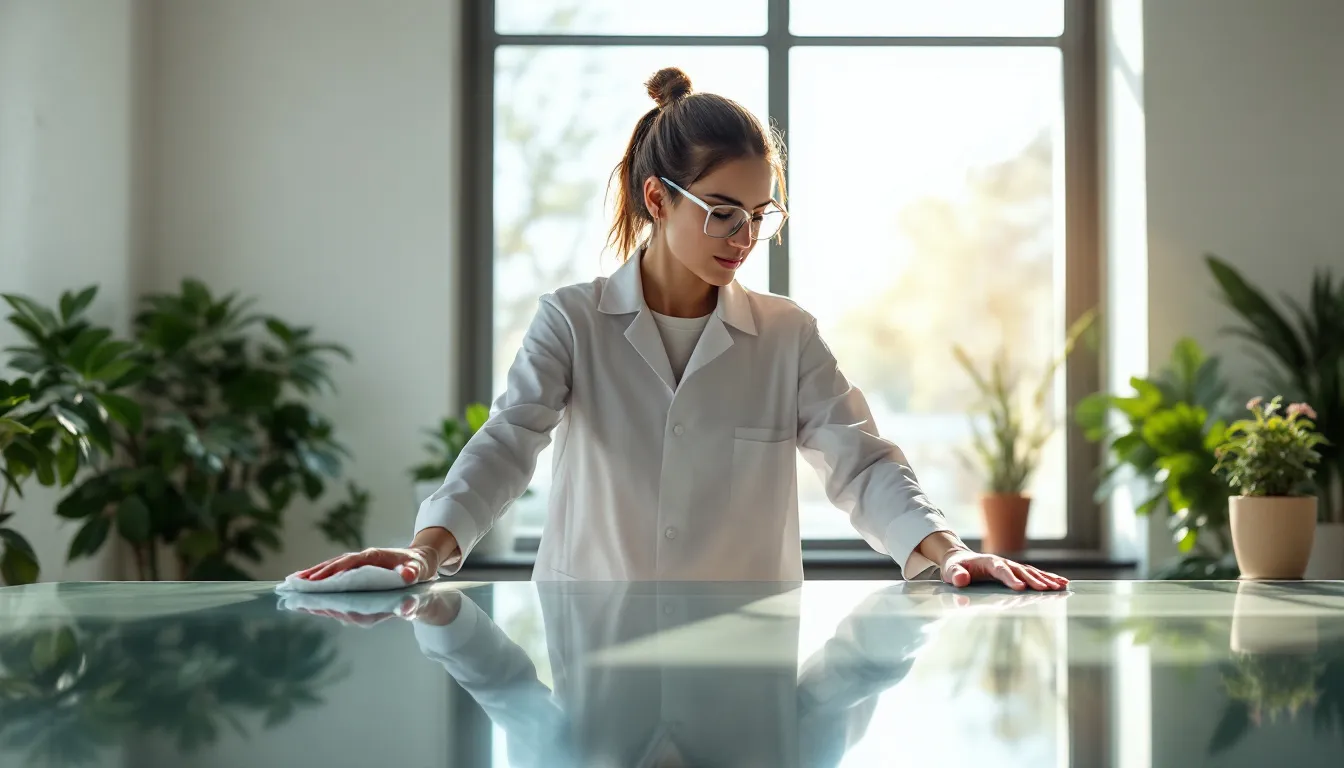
957,575
1032,578
305,573
1004,573
411,571
333,567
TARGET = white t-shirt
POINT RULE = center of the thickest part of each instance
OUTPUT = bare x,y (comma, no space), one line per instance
680,335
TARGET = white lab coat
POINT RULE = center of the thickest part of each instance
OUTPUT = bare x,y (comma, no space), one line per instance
655,480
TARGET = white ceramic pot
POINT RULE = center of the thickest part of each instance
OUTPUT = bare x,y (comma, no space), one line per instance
1263,623
1272,535
1327,552
499,540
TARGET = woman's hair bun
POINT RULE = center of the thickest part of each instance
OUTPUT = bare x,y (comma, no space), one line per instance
668,86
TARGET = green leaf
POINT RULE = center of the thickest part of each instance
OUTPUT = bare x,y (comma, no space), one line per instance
280,330
90,537
195,295
117,369
31,329
96,423
477,415
37,314
67,462
104,355
1234,724
15,540
28,362
133,520
1187,359
46,473
198,545
123,410
12,481
18,564
1274,332
88,340
17,427
73,305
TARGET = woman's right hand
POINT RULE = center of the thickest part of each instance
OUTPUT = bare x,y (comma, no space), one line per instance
413,564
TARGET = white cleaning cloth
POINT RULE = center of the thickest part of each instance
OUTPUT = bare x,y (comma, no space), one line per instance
352,605
366,578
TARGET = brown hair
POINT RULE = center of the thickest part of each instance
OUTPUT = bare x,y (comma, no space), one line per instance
683,138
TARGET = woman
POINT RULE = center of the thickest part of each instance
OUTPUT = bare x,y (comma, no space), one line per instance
678,398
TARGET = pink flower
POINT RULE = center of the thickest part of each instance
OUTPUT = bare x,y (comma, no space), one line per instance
1301,409
1255,403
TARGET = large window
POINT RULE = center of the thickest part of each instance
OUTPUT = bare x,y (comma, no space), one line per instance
941,192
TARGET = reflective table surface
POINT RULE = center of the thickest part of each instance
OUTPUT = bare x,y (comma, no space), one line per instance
825,673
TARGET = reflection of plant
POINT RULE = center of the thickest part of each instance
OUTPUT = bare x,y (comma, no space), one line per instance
1264,686
58,417
1304,360
1011,452
69,691
1272,455
1274,684
1014,657
229,439
1174,421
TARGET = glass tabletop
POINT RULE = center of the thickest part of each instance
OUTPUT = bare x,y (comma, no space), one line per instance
825,673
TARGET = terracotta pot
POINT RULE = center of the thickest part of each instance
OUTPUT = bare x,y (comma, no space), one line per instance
1005,522
1272,535
1327,552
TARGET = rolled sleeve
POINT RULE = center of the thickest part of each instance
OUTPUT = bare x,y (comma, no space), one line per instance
903,536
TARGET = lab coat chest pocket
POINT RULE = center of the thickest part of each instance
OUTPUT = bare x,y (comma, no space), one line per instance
764,474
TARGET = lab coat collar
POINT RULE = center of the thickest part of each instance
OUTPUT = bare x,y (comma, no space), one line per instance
624,293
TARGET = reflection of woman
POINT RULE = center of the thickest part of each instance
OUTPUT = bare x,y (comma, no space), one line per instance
626,693
679,398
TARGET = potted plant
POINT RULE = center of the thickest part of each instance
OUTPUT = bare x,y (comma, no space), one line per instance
1019,426
229,439
58,417
1269,460
1161,439
1303,349
446,443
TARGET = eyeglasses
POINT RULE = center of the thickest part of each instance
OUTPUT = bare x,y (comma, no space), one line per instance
724,221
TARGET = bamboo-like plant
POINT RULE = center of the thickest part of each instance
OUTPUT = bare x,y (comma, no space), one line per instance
1020,424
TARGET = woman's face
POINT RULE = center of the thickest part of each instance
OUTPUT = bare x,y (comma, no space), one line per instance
746,183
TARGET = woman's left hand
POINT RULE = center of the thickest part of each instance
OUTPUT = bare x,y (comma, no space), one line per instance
960,567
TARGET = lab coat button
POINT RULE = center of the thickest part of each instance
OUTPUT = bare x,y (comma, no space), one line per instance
670,533
678,430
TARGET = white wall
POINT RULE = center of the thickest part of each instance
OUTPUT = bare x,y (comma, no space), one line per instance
1245,135
68,202
305,153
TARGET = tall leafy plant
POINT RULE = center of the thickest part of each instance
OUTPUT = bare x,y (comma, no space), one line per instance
58,417
1302,349
1019,423
228,441
1162,438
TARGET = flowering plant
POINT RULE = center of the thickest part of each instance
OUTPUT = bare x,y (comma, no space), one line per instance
1272,454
